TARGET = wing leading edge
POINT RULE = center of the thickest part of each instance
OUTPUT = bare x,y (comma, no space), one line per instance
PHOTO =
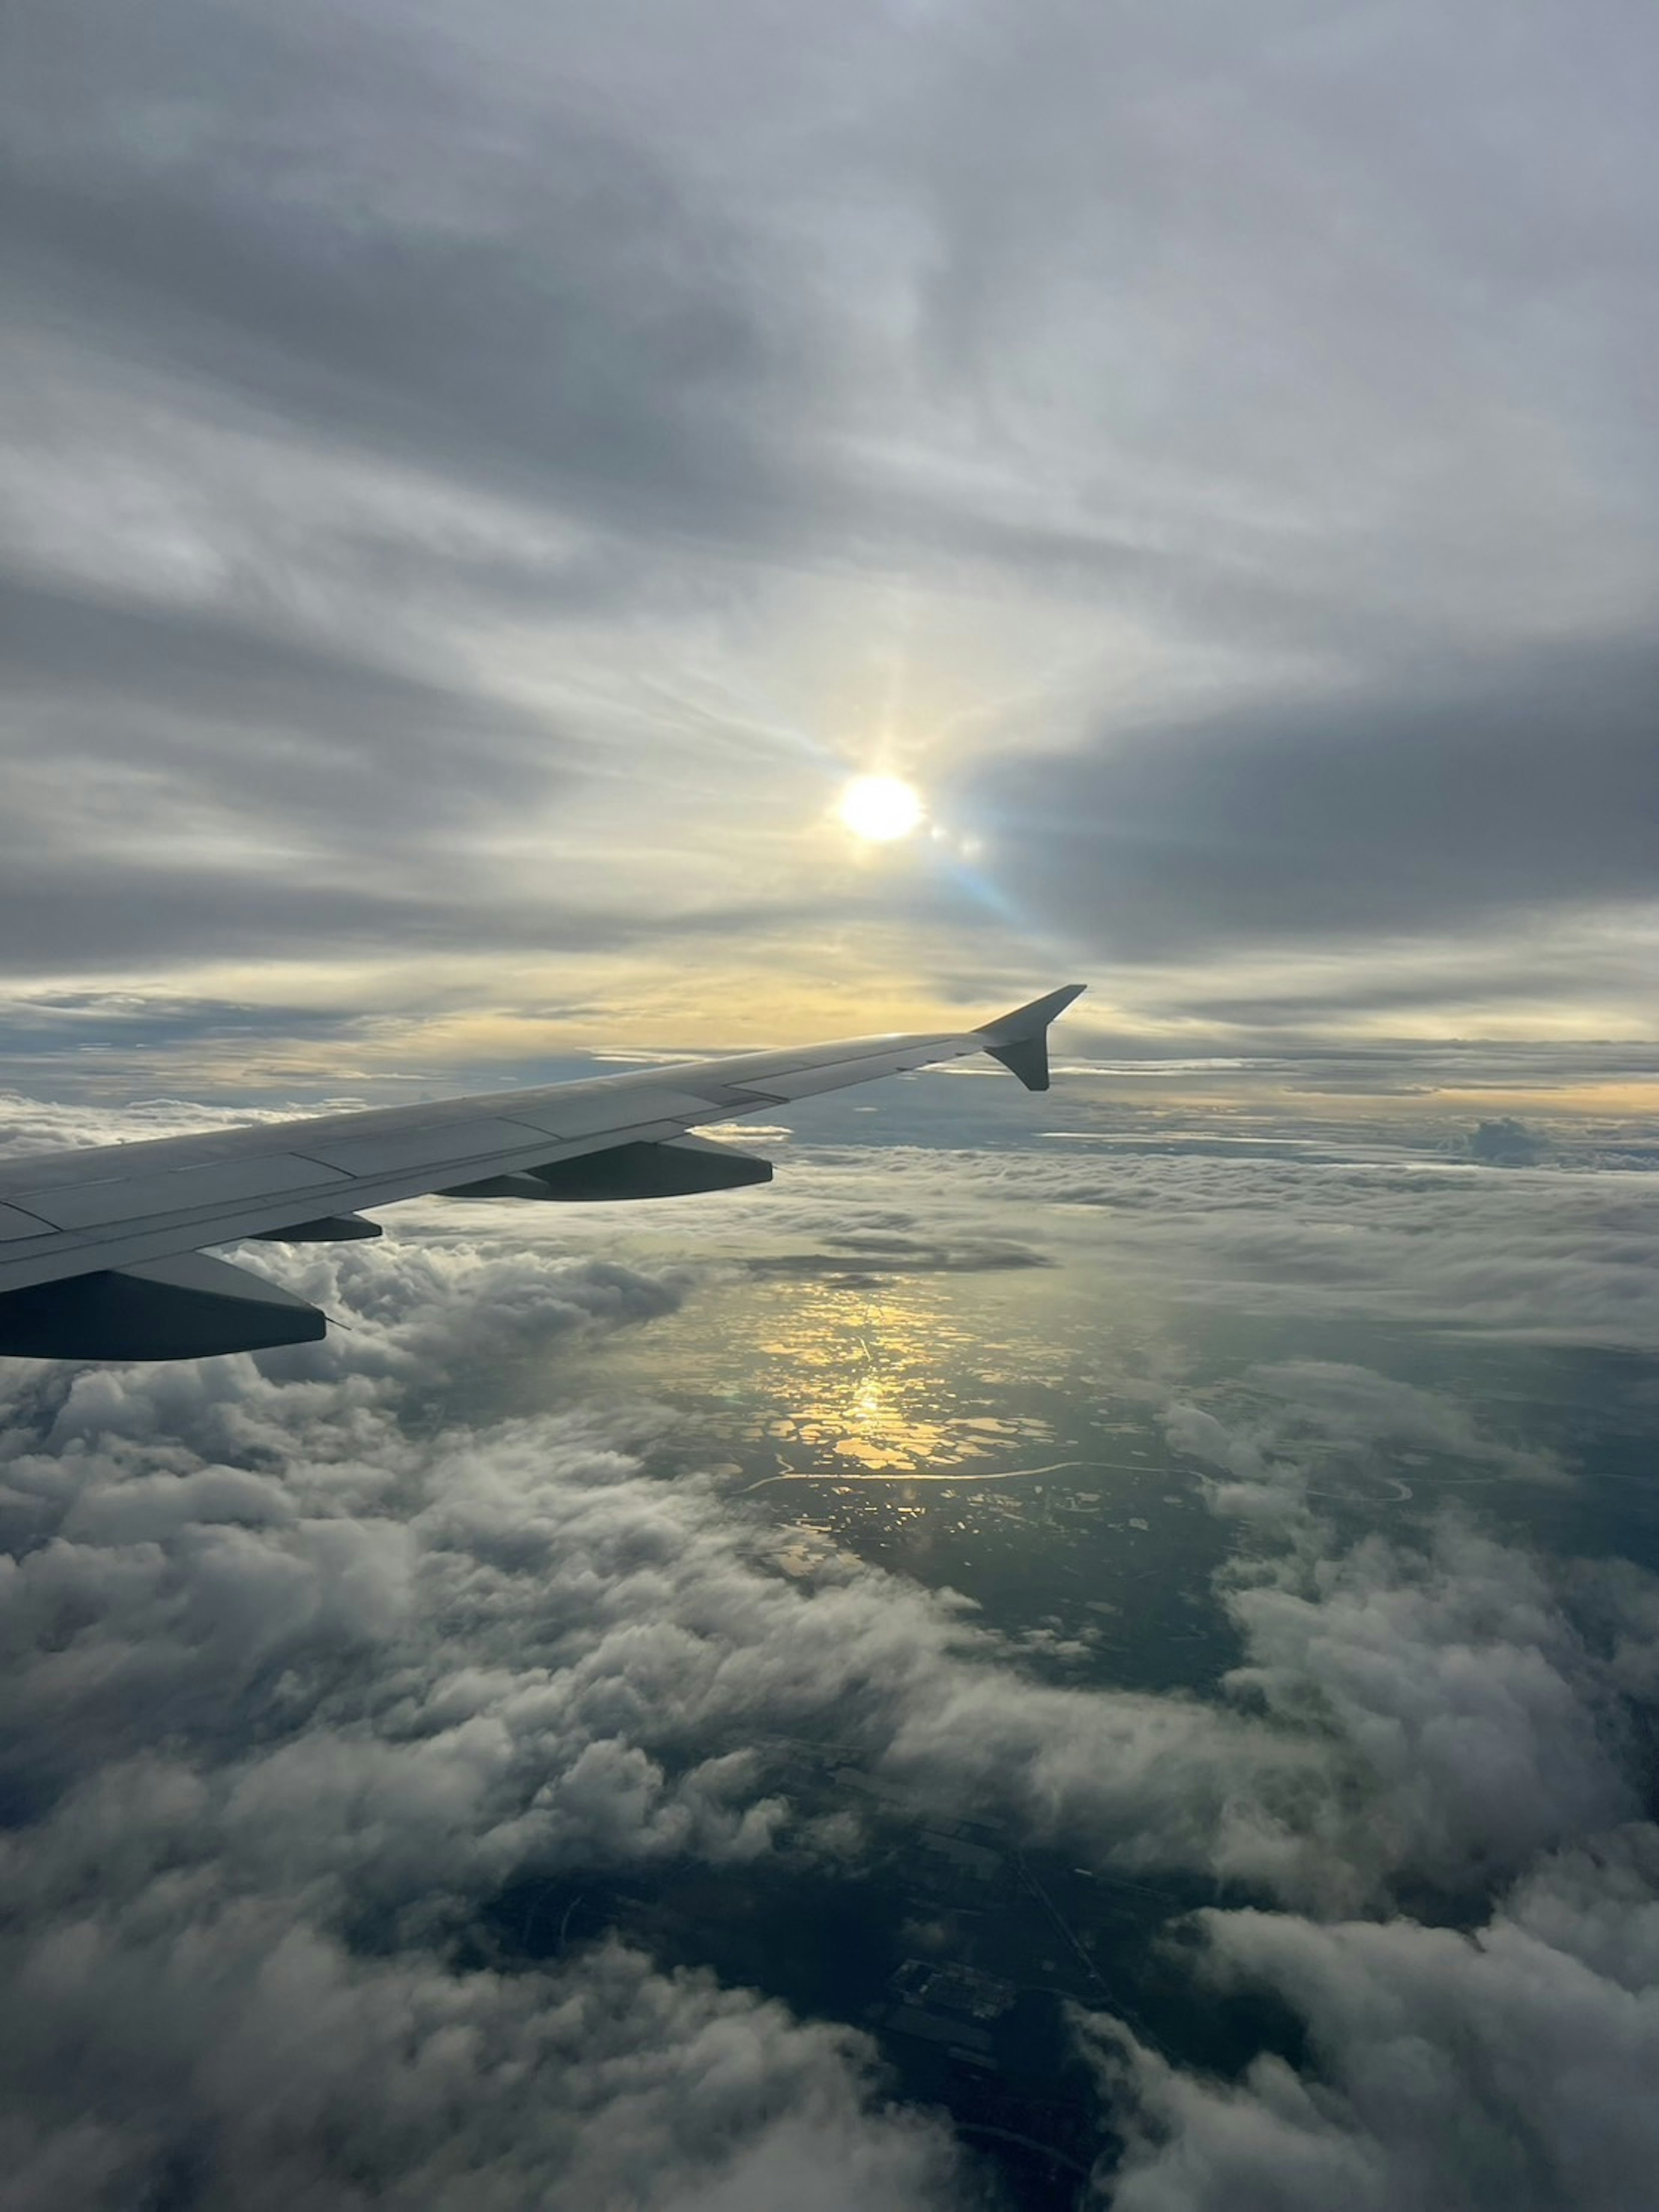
101,1249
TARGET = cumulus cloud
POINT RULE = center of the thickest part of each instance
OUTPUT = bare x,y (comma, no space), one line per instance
1488,1708
242,2054
1346,1405
1508,2066
1323,1422
46,1124
578,1626
312,1654
291,1662
1459,1688
283,1672
1475,1695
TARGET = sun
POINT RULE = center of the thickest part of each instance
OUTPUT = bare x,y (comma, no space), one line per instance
880,808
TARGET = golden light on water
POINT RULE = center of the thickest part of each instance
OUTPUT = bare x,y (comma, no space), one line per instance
881,808
885,1384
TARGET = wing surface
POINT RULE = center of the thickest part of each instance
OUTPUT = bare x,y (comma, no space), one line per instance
137,1213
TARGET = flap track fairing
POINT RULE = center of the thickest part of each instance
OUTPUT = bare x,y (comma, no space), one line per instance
185,1308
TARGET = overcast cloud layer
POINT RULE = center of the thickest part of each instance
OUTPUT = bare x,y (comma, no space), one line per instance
473,490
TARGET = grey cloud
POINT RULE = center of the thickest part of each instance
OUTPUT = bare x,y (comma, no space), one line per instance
1254,275
1302,1070
1507,2069
870,1254
800,322
692,327
145,740
90,913
358,1728
189,711
1145,1779
508,1527
1548,964
1519,789
1507,1142
1481,1693
192,782
547,305
30,1125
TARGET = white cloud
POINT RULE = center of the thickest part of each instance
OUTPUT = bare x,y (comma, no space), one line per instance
1484,1705
1459,1689
1555,1256
194,2033
284,1658
1511,2067
1472,1695
319,1643
276,1670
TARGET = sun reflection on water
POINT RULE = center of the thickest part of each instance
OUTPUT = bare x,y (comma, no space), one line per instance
885,1384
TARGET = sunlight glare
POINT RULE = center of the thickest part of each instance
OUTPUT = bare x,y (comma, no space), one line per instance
880,808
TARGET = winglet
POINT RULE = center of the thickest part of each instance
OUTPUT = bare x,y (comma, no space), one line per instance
1020,1039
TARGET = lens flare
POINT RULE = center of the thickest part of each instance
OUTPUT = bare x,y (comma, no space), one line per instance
880,808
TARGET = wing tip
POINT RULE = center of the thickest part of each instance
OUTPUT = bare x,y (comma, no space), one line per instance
1019,1038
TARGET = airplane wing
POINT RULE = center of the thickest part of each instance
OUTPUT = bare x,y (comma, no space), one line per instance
101,1249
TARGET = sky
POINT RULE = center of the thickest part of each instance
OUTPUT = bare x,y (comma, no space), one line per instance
475,485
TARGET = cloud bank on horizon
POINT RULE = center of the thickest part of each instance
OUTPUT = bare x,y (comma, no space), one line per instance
473,492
